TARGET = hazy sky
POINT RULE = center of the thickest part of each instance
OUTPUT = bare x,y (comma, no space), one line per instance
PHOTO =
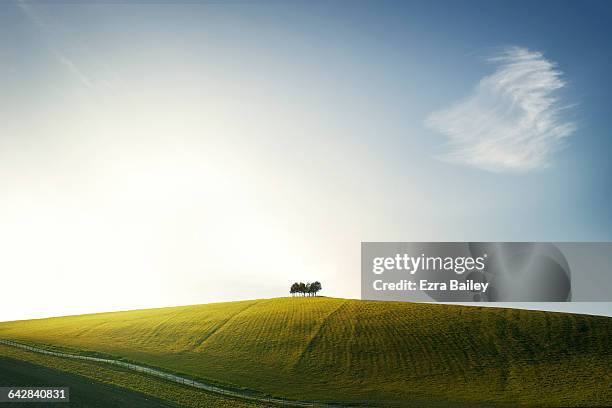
156,153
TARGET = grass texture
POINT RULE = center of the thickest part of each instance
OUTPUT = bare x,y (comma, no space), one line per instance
111,386
364,352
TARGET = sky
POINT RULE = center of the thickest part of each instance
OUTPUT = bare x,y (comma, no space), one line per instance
159,153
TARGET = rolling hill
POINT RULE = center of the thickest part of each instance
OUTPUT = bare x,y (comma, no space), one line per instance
350,351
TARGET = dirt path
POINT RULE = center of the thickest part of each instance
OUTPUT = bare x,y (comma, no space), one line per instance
83,391
176,378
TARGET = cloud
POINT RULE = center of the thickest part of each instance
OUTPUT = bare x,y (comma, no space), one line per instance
59,54
512,120
73,68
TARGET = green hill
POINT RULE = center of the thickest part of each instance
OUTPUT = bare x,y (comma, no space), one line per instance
382,353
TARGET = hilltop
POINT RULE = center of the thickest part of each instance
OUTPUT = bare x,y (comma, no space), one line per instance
382,353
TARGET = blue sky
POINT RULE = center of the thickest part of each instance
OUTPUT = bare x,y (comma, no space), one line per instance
244,145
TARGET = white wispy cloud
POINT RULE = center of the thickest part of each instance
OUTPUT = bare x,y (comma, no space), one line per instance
512,120
73,68
59,54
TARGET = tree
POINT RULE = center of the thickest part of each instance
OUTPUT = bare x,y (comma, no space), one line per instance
294,289
305,289
315,287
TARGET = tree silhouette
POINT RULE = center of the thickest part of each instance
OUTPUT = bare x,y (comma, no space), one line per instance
305,289
294,289
315,287
302,288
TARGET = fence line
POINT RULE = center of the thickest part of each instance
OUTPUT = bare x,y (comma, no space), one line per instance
176,378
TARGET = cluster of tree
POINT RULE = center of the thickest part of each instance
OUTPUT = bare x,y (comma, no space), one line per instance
305,289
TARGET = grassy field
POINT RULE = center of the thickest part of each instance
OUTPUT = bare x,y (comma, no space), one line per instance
83,392
382,353
111,386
